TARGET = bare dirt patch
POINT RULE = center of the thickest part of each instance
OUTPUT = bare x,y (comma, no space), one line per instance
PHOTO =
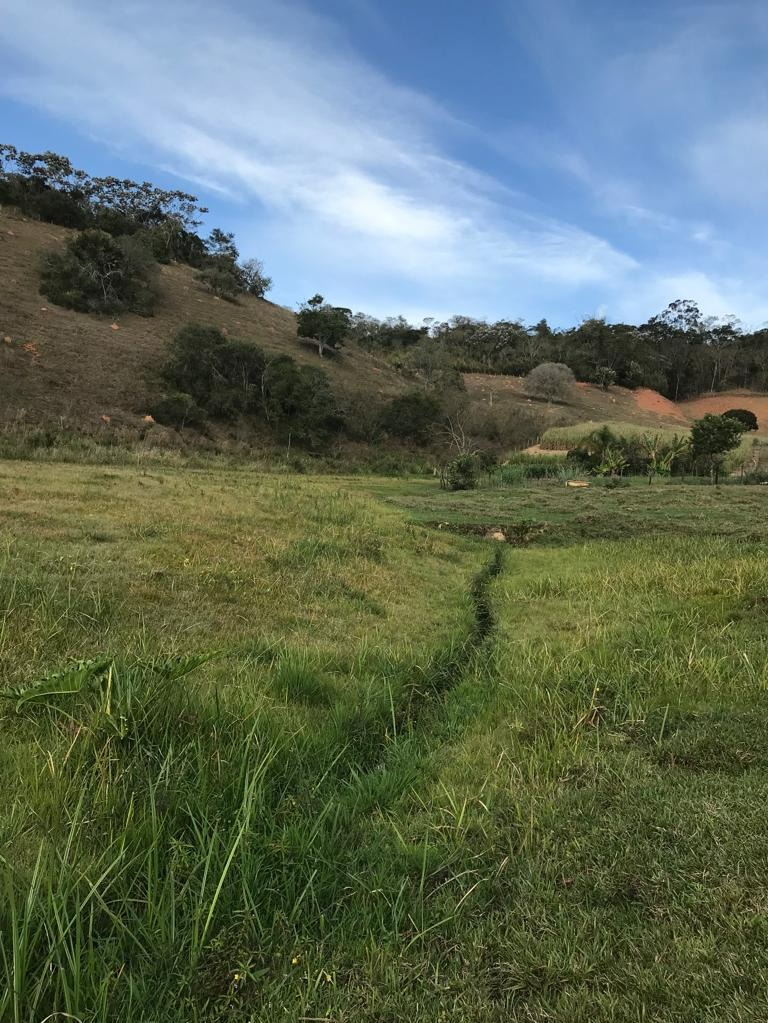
655,403
716,404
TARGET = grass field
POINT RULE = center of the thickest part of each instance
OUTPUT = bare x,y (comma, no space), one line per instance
324,761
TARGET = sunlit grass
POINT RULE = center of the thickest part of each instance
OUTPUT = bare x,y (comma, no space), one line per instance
390,783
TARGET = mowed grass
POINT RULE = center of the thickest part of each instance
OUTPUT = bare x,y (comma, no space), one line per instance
421,776
599,511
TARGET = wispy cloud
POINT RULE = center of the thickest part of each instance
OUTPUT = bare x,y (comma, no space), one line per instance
640,173
662,121
277,108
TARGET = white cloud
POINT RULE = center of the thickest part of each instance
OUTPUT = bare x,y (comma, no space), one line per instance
722,297
277,109
731,159
347,183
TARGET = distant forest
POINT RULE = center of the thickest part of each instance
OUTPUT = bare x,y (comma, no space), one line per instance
679,352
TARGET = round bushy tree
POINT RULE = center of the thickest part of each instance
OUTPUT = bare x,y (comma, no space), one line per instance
744,416
551,381
326,326
712,437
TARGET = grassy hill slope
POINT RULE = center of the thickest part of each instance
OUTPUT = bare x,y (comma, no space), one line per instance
57,363
590,402
60,366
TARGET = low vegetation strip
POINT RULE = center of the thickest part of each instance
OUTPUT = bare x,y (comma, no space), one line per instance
563,438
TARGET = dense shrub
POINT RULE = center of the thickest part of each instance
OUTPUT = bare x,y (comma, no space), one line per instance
228,378
179,410
223,376
222,279
550,380
461,473
99,273
743,415
411,416
298,402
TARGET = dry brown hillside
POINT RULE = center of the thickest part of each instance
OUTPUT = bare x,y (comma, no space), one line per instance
589,403
57,363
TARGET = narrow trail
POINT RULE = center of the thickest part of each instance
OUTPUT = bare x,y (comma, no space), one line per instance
445,669
406,709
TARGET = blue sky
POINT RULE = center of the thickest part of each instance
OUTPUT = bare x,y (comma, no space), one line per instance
503,158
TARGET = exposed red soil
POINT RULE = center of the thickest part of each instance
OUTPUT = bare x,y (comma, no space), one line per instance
719,403
651,401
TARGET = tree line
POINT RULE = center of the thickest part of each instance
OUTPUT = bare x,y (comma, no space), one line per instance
679,352
126,228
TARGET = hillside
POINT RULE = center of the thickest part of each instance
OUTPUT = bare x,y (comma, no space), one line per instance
504,394
719,403
61,366
57,363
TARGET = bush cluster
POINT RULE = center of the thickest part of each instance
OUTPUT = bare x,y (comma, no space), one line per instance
97,273
211,376
147,223
411,416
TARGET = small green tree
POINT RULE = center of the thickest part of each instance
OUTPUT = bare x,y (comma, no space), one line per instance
221,244
712,437
461,473
605,376
253,280
661,455
325,325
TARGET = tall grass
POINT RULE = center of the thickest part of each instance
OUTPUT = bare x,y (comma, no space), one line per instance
563,438
556,809
165,832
